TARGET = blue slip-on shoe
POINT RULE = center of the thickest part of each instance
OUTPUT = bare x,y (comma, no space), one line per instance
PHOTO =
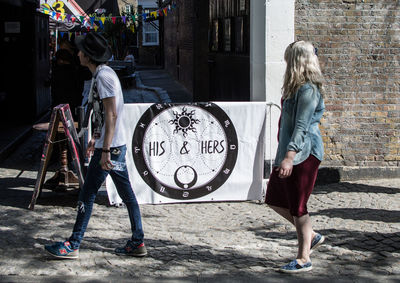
62,250
316,242
132,250
295,267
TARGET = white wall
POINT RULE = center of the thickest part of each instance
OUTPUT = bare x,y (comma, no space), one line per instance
271,31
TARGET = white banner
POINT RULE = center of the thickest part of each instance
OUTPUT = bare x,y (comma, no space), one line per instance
194,152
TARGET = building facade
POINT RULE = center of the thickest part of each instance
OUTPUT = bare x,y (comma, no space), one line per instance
358,45
24,45
359,49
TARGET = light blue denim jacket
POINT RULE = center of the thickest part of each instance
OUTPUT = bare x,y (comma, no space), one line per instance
299,125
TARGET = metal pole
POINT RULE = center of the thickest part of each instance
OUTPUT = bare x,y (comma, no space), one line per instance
56,37
270,104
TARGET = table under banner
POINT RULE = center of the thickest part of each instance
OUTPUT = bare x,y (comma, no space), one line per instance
194,152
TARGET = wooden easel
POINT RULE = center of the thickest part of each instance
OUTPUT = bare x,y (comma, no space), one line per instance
61,113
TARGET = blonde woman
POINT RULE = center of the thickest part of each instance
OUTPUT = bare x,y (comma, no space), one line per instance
300,149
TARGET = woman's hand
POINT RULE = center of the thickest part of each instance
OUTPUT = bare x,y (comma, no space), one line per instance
286,167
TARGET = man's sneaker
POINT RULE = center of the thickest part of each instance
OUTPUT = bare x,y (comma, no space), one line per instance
132,250
62,250
316,242
295,267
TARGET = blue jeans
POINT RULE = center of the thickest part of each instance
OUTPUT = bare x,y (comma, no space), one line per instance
94,179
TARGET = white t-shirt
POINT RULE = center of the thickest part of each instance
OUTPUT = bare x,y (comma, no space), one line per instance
108,85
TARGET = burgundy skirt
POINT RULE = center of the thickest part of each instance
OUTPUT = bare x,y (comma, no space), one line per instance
293,192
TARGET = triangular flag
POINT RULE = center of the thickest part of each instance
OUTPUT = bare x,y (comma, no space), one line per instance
159,12
92,20
69,35
53,15
132,27
165,11
73,19
95,28
144,15
88,28
134,18
101,24
46,11
63,17
113,20
82,18
58,15
103,19
62,34
68,18
154,14
123,19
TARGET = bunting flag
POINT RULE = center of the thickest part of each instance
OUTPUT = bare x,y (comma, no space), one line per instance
97,22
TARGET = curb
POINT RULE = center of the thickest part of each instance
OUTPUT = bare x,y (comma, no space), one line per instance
161,93
9,148
26,132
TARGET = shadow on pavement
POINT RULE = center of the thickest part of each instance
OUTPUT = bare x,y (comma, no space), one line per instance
345,187
17,192
369,214
381,245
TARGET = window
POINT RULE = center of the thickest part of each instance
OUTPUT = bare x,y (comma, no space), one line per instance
229,26
128,9
150,32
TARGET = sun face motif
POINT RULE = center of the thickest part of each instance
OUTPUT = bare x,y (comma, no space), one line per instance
184,122
185,151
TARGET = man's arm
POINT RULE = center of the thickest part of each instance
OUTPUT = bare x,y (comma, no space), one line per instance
110,112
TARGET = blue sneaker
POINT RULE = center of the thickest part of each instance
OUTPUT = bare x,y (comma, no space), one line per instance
132,250
62,250
316,242
295,267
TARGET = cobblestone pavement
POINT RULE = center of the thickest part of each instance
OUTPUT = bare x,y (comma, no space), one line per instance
196,242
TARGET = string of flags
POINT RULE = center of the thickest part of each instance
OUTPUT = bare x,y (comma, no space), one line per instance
95,22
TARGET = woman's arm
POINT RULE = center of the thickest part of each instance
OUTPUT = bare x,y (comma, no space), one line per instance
307,102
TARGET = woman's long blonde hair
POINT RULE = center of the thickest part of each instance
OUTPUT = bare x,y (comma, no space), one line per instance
301,66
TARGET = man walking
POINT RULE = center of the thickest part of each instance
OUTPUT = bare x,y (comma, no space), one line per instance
107,148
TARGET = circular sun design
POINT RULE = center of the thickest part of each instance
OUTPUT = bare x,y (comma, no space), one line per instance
184,121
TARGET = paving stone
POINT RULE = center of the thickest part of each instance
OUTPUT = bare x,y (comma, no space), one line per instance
201,240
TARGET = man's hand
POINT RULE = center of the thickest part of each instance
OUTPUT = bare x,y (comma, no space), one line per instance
286,167
90,148
105,161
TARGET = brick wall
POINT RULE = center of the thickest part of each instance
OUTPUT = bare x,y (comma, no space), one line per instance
359,47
